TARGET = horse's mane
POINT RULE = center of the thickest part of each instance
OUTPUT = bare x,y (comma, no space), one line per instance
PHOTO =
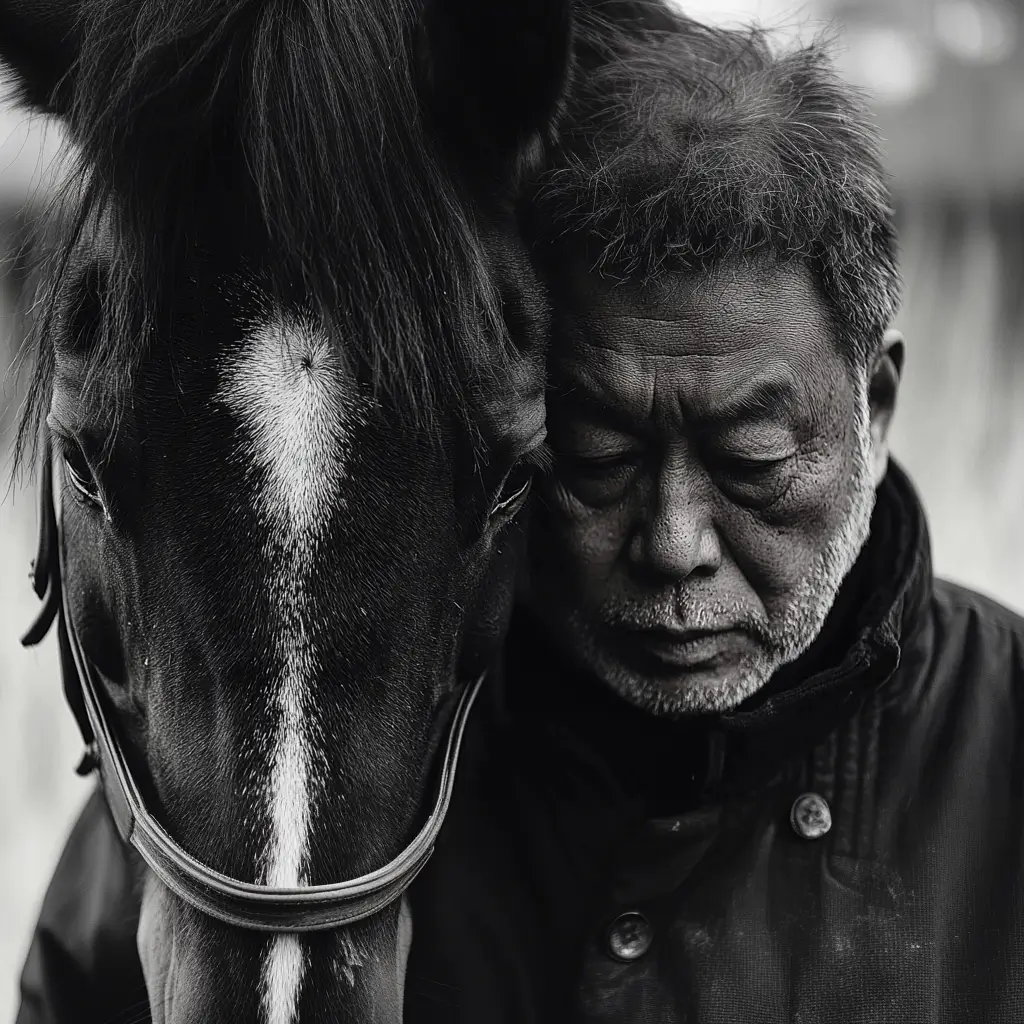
306,117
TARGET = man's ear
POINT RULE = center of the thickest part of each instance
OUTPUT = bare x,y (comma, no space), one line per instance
39,44
883,387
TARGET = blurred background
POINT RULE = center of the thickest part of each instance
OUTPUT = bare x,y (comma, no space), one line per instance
946,78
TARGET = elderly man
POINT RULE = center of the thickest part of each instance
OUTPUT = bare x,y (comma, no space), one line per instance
756,763
751,762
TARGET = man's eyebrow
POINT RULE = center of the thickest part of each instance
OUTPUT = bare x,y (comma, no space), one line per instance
765,399
595,409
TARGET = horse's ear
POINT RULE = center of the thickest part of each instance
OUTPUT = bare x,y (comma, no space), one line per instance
496,72
39,44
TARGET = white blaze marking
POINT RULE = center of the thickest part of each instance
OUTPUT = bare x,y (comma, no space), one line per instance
282,979
297,405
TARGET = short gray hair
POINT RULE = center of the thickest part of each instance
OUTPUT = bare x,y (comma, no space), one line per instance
685,145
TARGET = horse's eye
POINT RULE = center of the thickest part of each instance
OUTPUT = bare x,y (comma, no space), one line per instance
513,491
79,474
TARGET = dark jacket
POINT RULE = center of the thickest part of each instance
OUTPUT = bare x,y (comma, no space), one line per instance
603,865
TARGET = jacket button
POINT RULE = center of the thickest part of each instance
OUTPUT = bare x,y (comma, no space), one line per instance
629,937
810,816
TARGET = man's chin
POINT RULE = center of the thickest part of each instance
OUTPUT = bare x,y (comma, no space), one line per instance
662,688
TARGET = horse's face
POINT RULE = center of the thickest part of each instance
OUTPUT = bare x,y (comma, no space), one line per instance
271,569
280,554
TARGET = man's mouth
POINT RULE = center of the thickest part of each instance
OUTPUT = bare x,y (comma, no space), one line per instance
682,648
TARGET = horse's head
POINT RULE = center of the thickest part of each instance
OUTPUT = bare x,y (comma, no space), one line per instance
290,361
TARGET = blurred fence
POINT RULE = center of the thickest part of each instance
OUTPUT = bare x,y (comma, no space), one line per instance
959,430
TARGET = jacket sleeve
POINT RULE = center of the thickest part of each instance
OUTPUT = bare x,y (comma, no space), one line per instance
83,965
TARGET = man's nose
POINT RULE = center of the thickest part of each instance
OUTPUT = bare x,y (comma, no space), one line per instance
677,536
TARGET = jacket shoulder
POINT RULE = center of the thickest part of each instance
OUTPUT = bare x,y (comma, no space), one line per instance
955,602
83,965
960,609
970,664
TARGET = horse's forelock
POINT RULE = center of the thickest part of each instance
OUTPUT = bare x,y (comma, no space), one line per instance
301,127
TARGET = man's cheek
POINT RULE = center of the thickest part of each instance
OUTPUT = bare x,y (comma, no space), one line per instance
774,564
775,549
816,496
593,535
566,504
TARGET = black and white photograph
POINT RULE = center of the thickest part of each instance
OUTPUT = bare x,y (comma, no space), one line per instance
511,511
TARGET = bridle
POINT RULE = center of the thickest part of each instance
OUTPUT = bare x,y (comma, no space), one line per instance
243,904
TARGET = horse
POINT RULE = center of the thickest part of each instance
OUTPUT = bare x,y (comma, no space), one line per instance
288,397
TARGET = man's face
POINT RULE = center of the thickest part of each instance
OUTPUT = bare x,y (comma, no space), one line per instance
716,464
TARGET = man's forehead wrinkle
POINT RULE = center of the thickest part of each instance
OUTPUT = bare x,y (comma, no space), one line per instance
702,332
687,387
742,299
609,377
